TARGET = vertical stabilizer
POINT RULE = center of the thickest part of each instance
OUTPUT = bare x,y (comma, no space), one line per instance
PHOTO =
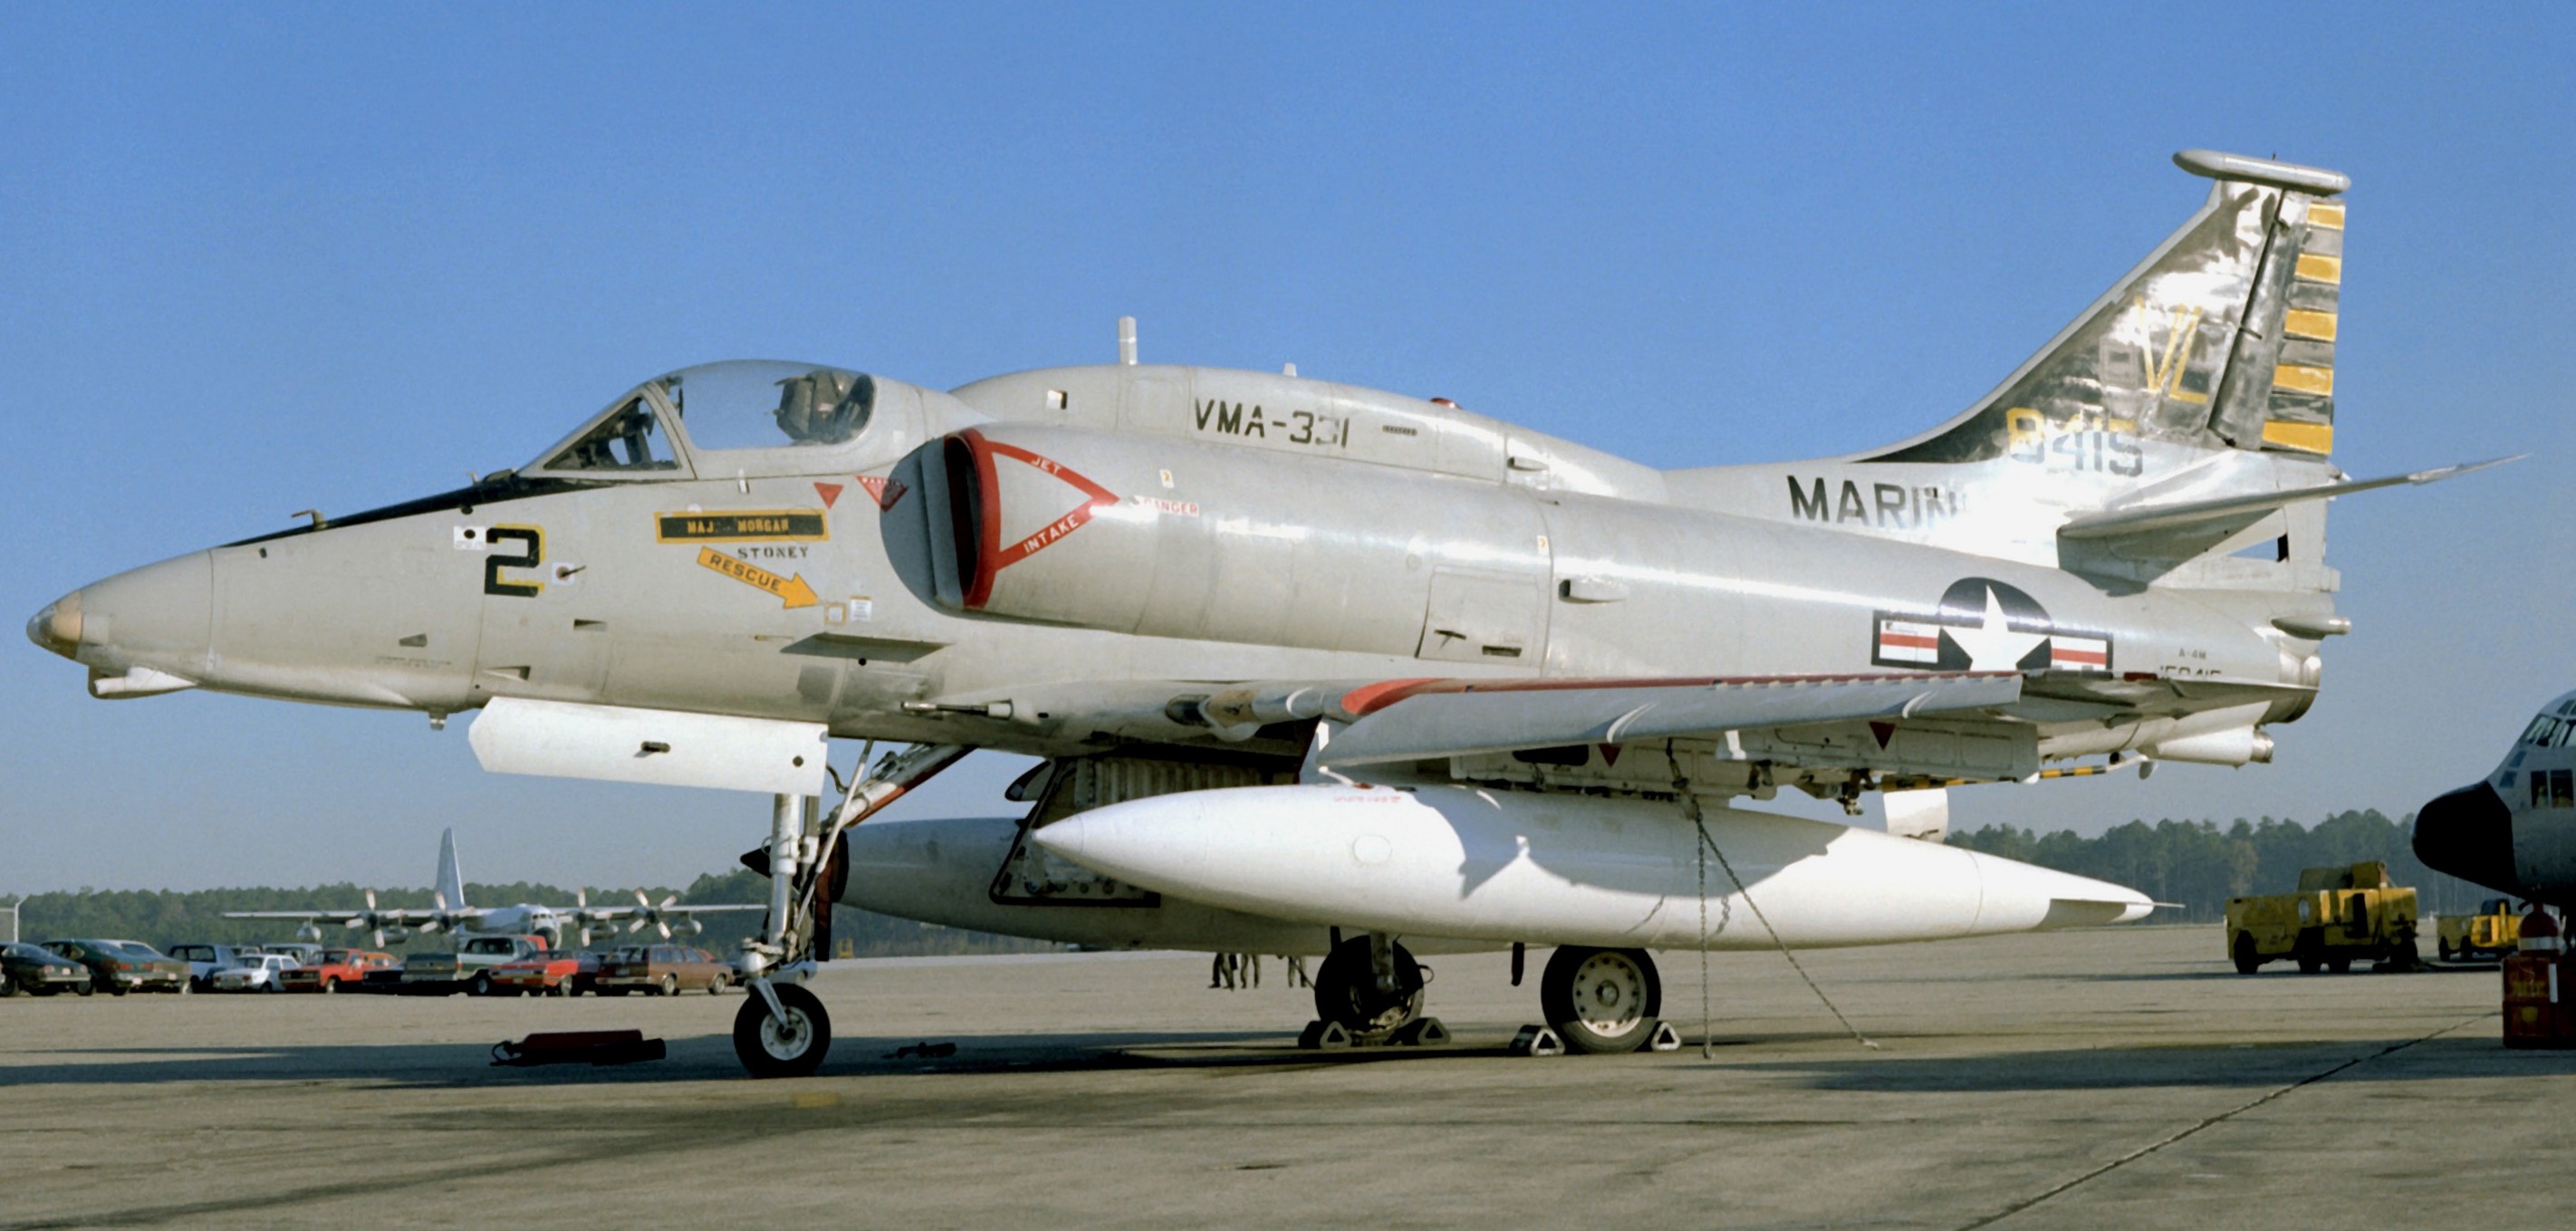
451,883
2223,338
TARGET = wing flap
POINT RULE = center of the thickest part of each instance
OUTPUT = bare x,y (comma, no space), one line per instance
1428,719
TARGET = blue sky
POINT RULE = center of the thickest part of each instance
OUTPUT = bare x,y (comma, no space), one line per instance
255,260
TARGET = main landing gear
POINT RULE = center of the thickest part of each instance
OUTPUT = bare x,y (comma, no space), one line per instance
1370,987
1596,1000
1601,1000
781,1029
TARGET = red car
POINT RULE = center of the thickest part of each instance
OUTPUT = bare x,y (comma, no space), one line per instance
336,967
547,974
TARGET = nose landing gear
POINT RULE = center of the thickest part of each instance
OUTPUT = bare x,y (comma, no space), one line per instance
781,1029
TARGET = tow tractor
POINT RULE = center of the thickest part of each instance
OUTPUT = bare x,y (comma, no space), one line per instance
2490,933
782,1029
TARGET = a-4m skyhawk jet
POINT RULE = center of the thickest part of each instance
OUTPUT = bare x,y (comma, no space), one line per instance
1314,667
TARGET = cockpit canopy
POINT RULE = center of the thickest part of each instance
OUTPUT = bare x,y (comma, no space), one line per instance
741,407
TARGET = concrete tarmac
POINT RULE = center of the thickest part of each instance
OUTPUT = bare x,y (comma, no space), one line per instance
2116,1078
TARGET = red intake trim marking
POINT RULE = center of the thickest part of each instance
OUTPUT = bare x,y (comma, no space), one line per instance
990,556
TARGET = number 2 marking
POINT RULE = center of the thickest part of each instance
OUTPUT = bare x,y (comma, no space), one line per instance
533,539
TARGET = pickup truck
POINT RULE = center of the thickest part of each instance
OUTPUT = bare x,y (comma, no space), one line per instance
334,967
469,968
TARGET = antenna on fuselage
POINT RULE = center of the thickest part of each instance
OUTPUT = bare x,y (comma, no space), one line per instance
1127,340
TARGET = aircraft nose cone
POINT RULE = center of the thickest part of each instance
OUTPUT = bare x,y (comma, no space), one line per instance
159,617
2469,834
58,626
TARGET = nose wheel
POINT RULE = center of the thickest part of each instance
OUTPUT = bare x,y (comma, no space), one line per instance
1601,1000
1351,992
784,1033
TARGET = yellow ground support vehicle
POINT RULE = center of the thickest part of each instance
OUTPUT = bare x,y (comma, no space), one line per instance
2492,932
2339,915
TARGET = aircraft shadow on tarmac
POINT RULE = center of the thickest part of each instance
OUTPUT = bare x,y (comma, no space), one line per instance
2474,1051
701,1058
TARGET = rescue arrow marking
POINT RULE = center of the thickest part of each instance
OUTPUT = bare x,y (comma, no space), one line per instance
790,590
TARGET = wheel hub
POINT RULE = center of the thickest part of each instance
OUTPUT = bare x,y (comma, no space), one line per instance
1611,993
785,1039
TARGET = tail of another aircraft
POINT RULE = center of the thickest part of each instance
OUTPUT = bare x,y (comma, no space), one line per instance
451,882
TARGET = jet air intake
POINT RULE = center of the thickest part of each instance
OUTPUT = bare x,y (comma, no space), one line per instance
1199,540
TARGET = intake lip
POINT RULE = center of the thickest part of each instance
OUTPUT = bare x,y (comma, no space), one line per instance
2469,834
58,626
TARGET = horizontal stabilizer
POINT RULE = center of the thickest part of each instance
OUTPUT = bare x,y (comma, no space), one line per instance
1460,718
2186,528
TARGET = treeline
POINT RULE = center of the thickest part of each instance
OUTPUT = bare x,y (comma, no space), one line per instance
2200,865
163,918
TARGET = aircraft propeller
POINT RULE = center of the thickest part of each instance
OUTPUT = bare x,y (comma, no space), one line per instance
646,912
441,919
369,921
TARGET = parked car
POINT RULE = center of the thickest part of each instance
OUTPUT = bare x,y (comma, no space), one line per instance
122,966
305,952
333,967
548,974
469,968
204,960
26,968
265,973
664,970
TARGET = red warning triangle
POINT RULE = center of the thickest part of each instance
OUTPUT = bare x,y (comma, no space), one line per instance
829,492
883,490
1609,754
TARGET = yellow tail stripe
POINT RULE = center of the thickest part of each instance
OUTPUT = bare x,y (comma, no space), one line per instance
2329,217
2307,437
2317,326
2326,269
2304,379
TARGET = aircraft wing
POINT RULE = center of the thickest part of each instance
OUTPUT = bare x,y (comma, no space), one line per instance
390,915
1405,720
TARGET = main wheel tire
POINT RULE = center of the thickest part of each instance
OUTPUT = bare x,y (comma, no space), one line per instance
669,986
2443,948
8,985
481,986
564,988
2340,965
85,988
2310,960
768,1047
2243,954
1346,990
1601,1000
330,987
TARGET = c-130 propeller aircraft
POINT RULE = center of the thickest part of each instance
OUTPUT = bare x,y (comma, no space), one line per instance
1322,669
